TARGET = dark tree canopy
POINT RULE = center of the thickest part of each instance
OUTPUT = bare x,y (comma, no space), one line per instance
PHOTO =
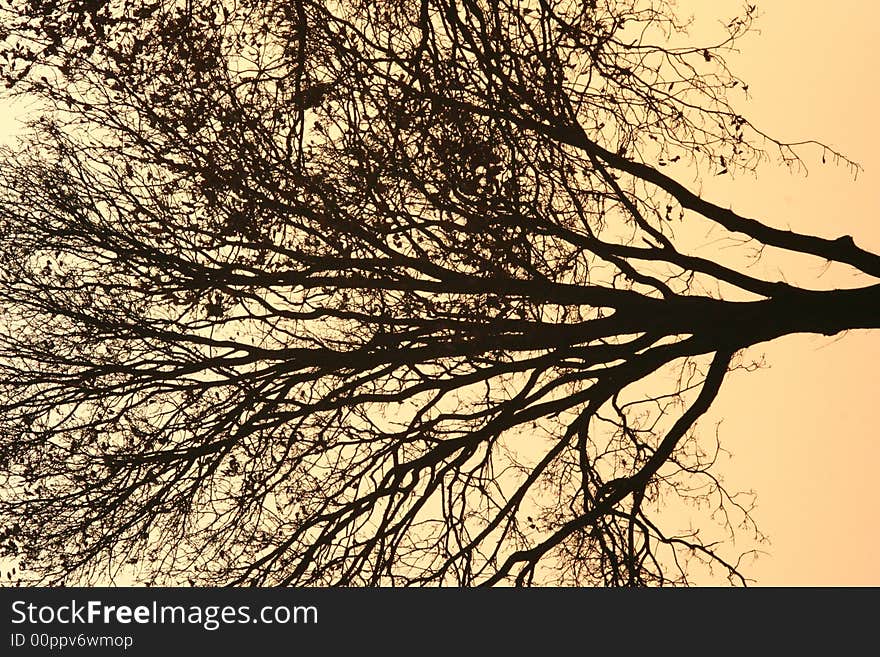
377,292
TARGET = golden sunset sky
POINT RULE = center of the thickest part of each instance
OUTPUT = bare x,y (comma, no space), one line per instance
803,432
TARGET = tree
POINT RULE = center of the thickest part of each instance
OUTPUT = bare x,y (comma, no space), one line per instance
366,293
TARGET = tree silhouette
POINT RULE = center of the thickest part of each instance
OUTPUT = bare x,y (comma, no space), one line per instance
395,292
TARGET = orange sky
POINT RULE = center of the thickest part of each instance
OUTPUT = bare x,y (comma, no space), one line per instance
802,432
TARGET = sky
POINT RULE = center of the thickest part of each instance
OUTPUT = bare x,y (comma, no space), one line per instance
803,431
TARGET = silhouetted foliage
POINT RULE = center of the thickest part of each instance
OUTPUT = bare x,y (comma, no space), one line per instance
375,292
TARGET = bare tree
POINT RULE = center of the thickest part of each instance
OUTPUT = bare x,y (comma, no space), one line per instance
364,292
